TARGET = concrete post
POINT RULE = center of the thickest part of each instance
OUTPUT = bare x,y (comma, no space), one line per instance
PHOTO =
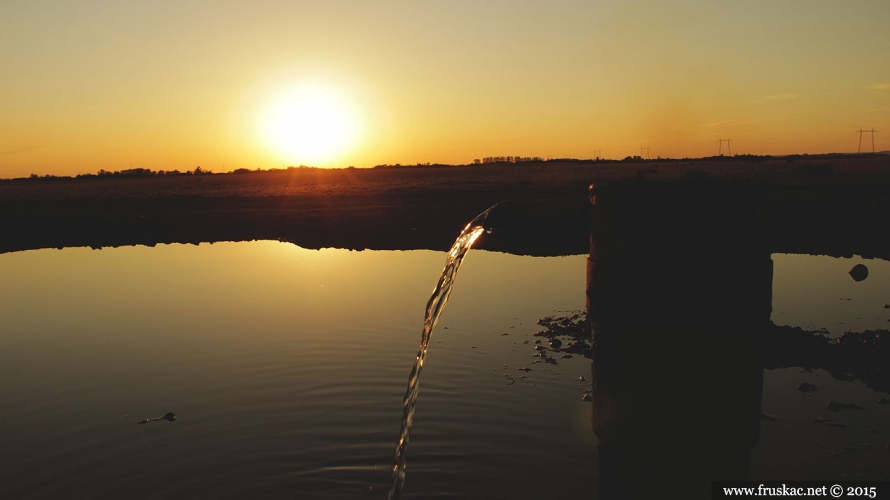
679,283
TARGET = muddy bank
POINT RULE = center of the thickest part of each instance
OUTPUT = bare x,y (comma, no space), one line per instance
853,356
402,222
825,206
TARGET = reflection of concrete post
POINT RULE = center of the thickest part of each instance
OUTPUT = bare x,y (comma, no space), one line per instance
679,289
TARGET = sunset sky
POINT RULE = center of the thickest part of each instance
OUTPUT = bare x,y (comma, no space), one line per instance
105,84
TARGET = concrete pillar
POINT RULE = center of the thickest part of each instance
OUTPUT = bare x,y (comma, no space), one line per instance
679,285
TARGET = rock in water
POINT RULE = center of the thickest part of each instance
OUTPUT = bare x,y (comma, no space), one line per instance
835,406
169,416
766,416
859,272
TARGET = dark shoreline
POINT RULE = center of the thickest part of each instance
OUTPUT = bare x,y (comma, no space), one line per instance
831,206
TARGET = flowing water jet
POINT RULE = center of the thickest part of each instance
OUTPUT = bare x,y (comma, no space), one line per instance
434,308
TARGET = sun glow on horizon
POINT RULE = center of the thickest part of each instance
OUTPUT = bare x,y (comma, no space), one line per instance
309,124
231,85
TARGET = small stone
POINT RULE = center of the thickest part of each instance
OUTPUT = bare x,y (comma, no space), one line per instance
830,423
524,369
835,406
586,398
807,387
859,272
582,379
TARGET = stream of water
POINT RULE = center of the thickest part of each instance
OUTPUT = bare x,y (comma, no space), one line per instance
434,307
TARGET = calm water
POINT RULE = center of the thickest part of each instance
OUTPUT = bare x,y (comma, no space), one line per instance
286,368
817,293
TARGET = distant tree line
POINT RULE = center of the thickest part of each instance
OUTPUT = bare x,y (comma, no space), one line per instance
416,165
507,159
145,173
125,174
271,170
132,173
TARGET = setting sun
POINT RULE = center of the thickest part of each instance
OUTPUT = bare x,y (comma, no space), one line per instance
309,124
259,85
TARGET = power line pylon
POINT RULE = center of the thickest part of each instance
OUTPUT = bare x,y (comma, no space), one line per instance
720,146
872,132
596,153
647,153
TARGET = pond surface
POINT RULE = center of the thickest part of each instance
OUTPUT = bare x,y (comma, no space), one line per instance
818,293
286,369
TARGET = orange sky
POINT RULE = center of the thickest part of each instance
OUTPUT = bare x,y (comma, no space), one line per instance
103,84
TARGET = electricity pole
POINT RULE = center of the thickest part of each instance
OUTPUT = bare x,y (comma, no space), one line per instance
647,152
872,132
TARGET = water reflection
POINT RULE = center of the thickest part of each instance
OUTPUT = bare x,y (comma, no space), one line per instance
285,368
815,292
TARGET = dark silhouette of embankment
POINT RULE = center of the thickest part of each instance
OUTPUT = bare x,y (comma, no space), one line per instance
834,207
